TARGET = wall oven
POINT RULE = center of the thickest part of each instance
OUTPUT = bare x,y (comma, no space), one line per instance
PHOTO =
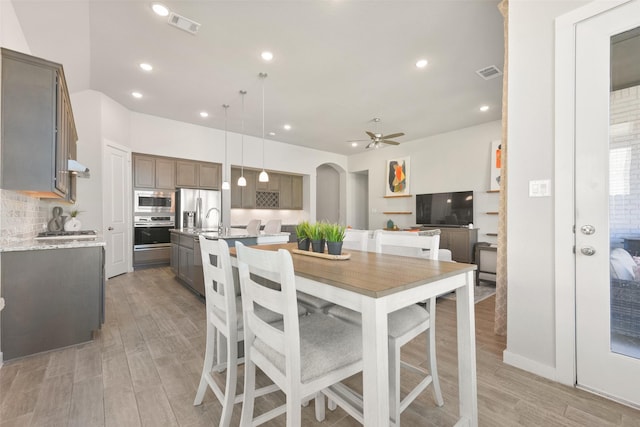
152,240
153,201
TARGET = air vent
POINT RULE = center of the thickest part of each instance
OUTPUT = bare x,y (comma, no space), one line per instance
183,23
490,72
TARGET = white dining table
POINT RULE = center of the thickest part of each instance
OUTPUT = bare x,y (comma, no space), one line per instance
378,284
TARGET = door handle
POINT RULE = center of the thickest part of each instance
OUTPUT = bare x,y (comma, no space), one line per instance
110,228
588,250
588,229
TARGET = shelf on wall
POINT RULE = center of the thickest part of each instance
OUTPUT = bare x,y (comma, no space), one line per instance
400,195
493,191
492,213
397,213
491,234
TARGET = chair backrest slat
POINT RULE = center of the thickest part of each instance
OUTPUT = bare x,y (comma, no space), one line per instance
407,244
356,239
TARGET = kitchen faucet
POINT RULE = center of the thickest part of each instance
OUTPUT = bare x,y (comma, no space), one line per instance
219,228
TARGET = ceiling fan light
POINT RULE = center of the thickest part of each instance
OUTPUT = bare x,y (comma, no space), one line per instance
242,181
226,185
263,177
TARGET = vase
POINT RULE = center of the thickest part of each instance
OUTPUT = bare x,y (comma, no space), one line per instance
72,224
303,244
317,246
334,248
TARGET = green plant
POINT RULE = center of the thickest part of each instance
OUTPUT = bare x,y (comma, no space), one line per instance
303,230
317,230
335,232
74,212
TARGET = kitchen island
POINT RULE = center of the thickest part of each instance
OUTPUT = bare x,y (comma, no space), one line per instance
53,292
186,258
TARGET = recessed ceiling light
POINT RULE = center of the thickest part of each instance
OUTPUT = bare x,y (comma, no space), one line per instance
354,144
272,134
422,63
267,56
137,95
204,114
160,9
146,67
484,108
287,127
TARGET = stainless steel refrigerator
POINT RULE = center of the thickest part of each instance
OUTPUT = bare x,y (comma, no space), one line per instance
198,208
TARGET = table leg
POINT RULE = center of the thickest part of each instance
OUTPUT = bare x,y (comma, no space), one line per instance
467,381
375,363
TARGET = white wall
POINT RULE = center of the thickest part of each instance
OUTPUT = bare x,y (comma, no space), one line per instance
453,161
530,250
328,194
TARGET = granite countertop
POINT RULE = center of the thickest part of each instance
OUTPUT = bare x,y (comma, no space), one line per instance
38,245
232,233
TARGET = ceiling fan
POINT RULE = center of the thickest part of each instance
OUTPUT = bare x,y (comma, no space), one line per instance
377,138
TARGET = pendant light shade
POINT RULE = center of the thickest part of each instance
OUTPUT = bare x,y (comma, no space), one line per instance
264,176
242,182
225,181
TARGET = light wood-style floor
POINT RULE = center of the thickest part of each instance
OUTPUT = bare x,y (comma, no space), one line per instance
144,366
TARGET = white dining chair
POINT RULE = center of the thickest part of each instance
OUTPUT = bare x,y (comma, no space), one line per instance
406,323
302,355
273,226
224,328
356,239
253,227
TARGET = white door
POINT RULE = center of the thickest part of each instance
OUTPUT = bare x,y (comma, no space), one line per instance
117,209
607,189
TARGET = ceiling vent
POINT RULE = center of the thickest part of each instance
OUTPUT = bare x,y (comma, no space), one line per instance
183,23
490,72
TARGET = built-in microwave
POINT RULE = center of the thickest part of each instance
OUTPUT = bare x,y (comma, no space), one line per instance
153,201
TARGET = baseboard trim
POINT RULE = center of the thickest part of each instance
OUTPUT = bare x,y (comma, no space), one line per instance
529,365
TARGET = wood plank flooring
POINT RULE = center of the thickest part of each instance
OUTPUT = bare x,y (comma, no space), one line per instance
144,366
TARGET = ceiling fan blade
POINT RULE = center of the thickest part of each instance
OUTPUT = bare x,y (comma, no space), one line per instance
371,144
371,134
393,135
388,141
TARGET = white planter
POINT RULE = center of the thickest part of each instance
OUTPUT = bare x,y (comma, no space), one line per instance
72,224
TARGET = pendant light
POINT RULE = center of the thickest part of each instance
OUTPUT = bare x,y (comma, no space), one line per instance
264,176
242,181
225,182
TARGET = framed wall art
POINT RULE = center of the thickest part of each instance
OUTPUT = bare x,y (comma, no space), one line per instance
397,177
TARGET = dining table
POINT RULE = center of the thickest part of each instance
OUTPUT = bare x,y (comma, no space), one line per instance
377,284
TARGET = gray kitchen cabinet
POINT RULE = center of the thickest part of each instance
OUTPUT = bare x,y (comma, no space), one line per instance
154,172
272,185
175,253
290,192
54,298
296,192
38,129
243,197
198,174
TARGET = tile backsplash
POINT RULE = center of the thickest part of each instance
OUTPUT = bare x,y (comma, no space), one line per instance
22,217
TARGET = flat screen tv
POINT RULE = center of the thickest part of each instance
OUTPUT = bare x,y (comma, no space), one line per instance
453,209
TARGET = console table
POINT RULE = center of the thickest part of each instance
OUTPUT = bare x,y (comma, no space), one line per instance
460,241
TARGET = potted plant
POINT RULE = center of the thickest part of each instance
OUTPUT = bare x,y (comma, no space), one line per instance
73,223
302,233
316,234
334,234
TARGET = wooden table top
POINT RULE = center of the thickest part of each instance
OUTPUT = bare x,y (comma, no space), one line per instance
369,273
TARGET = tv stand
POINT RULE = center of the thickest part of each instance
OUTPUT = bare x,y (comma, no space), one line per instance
459,240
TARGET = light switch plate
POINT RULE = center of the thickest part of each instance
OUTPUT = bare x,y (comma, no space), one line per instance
540,188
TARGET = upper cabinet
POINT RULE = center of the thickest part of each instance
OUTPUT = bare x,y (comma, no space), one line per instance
283,191
38,130
166,173
198,174
154,172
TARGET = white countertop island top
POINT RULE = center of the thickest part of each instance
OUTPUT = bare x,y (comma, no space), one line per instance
38,245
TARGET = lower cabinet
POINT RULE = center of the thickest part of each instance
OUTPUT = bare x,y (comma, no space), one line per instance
54,298
460,241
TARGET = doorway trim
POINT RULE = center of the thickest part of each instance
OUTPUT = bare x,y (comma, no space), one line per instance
564,170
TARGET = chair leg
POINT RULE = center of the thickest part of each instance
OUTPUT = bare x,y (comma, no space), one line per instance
294,409
394,382
209,361
331,405
246,418
230,386
431,351
320,414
